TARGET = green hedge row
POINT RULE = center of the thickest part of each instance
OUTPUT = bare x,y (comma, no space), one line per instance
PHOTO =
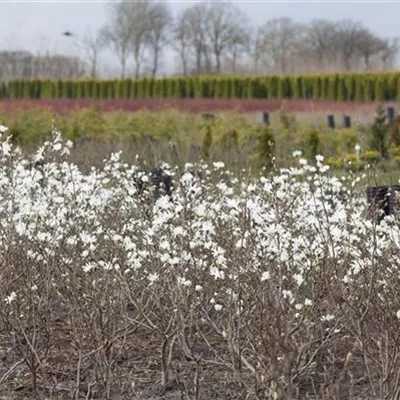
341,87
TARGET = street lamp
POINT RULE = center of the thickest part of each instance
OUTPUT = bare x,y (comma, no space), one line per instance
78,44
357,148
88,47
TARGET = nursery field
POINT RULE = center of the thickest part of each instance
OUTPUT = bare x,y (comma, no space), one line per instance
243,283
164,255
240,140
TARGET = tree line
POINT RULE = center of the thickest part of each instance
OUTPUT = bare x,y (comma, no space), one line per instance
218,38
19,64
378,86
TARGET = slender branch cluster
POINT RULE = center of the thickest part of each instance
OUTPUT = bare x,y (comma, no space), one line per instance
273,286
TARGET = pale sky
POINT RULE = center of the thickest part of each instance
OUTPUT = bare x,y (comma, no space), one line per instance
37,25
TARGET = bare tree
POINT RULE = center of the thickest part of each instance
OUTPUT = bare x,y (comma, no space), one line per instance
61,67
16,64
388,52
237,47
226,30
348,37
135,27
320,40
119,31
256,50
368,45
197,22
157,36
25,65
182,41
278,39
141,21
92,44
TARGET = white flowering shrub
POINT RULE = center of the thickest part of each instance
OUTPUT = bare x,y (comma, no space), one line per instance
258,287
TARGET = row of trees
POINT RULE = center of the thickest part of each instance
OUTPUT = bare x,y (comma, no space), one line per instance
283,46
341,87
216,38
23,64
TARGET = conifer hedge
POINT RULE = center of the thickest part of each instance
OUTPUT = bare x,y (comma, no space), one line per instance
338,87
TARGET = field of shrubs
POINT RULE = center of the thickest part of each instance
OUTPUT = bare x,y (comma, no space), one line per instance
248,265
275,283
174,136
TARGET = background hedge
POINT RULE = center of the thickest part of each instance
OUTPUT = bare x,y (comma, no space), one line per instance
338,87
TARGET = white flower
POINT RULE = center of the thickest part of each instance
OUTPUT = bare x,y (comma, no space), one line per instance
164,245
187,178
178,231
165,258
287,294
298,278
297,153
153,278
20,228
174,260
57,146
319,158
218,307
184,282
89,267
3,129
9,299
303,161
198,288
163,202
307,302
39,155
87,238
324,168
71,241
208,227
6,147
218,165
265,276
327,317
398,314
217,273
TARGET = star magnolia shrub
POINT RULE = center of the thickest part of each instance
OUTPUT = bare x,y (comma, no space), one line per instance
282,276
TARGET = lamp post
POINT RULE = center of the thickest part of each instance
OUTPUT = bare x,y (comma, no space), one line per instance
357,148
90,48
78,43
